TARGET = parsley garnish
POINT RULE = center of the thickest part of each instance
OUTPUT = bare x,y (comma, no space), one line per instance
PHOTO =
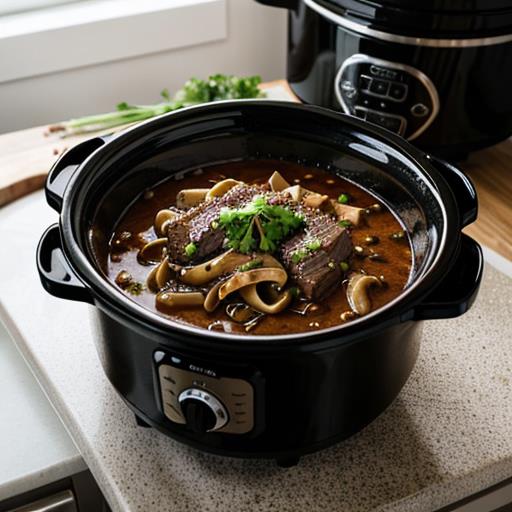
271,224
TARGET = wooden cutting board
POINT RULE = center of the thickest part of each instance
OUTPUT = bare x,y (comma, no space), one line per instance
27,155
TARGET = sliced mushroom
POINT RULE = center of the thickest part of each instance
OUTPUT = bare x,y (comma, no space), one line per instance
212,298
206,272
315,200
258,275
357,292
169,299
162,220
191,197
159,276
251,296
351,213
151,281
221,188
152,252
296,192
268,261
277,182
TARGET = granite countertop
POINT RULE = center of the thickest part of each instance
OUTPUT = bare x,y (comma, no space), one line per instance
34,446
447,435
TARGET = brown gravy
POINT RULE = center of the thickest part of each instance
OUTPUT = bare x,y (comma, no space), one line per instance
394,263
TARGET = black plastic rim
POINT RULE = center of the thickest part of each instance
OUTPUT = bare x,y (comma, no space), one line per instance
116,304
455,19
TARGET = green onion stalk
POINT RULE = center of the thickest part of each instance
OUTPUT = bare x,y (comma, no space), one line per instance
195,91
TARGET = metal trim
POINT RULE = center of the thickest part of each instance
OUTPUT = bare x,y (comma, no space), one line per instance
396,38
424,79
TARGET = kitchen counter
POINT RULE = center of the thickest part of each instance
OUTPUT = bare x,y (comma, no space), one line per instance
34,446
447,435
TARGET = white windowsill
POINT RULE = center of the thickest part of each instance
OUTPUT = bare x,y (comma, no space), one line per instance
97,31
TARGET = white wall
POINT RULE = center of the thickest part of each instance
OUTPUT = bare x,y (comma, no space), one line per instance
256,44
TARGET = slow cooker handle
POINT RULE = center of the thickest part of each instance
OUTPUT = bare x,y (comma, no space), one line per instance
455,295
462,187
56,275
62,170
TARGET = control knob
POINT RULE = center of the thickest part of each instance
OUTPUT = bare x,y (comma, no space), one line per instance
203,411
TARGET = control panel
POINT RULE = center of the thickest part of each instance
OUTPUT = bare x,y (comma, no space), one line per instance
395,96
196,395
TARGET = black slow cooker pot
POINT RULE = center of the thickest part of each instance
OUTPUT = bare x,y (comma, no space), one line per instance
436,72
259,396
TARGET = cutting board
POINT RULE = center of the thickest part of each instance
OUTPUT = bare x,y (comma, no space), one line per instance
27,155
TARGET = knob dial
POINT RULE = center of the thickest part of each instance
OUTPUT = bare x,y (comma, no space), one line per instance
203,411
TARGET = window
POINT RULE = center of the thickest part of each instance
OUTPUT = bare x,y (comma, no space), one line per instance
83,33
16,6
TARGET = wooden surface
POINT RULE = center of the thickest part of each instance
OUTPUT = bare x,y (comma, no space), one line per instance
27,155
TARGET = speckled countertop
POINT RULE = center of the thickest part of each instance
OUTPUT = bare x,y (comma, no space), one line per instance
447,435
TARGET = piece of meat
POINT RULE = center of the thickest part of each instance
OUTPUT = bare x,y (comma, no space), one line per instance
318,273
195,225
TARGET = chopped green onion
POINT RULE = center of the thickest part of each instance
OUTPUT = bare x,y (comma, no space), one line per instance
344,266
344,199
345,223
314,245
190,249
299,255
255,263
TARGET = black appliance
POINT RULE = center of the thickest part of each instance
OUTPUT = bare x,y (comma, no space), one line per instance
437,72
259,396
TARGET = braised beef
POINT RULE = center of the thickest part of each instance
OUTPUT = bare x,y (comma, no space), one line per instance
198,225
317,272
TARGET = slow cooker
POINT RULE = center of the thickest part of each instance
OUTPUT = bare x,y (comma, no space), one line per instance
283,395
436,72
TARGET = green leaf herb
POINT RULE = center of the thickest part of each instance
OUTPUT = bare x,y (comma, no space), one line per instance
299,255
258,225
344,199
195,91
345,223
255,263
190,249
314,245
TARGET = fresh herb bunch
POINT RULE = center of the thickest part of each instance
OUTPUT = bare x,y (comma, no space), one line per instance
195,91
258,225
